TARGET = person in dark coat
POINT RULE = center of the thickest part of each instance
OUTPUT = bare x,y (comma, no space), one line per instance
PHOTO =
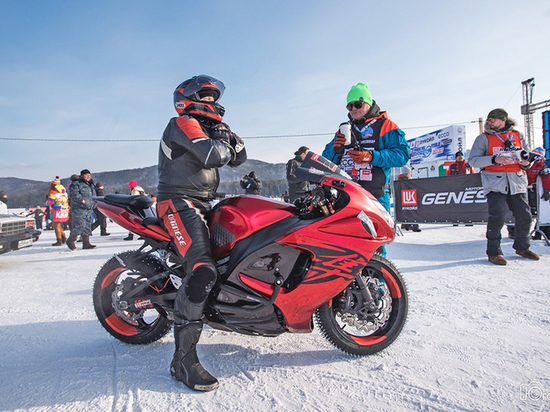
101,220
38,215
251,184
82,204
296,187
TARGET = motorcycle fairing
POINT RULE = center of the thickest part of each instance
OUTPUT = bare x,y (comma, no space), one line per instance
332,268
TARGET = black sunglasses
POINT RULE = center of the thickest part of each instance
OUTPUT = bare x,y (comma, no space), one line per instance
357,105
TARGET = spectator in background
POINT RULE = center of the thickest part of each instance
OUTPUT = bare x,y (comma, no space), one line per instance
251,184
48,218
74,178
134,191
82,204
38,215
405,176
101,220
59,206
460,167
296,187
3,203
539,168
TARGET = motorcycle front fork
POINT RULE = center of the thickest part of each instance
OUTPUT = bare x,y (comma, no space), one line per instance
368,300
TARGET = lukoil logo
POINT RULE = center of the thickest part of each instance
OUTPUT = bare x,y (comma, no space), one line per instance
408,197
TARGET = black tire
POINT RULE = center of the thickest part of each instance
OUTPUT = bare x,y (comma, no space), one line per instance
363,332
142,327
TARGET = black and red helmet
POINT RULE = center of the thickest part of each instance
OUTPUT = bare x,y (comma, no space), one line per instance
187,98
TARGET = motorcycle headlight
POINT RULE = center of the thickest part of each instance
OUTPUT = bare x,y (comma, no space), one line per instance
385,213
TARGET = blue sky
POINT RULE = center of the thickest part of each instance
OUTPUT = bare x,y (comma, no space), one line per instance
85,72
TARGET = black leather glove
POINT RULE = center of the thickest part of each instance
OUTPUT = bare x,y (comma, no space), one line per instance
222,134
236,142
546,195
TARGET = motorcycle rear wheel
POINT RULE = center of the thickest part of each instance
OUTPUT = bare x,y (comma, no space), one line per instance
360,331
141,327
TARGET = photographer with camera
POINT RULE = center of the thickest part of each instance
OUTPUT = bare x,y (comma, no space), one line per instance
251,184
503,156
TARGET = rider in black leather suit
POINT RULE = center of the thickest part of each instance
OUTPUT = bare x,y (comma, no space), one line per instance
193,147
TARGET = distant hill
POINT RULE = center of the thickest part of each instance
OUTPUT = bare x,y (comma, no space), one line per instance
30,193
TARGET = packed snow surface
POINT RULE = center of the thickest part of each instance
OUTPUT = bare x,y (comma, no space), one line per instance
477,339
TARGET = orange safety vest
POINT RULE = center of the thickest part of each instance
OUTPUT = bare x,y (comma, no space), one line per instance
496,147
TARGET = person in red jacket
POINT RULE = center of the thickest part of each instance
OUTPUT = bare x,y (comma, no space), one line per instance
539,168
460,167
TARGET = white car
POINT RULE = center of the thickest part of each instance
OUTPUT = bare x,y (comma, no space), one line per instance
16,232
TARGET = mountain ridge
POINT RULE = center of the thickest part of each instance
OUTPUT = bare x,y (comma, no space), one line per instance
30,193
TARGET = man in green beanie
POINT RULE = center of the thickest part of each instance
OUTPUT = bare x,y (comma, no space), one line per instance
504,183
377,144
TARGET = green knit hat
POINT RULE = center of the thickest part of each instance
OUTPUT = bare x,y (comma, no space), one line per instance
498,114
360,90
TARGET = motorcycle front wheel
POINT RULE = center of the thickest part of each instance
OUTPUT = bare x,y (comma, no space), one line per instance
118,276
359,330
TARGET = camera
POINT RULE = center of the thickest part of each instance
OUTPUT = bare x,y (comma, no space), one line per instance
522,154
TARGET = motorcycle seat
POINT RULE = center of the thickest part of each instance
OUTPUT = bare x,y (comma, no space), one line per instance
139,201
154,224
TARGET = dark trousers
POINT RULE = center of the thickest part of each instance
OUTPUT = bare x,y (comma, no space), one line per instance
101,221
185,222
497,213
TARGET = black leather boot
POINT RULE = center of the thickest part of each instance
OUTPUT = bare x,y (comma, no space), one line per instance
185,366
86,243
70,242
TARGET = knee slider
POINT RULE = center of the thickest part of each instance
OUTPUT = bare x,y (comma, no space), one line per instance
200,283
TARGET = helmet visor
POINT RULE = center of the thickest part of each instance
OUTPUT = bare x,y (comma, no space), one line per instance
205,86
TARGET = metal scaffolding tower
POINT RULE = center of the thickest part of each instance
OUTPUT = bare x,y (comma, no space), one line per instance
529,108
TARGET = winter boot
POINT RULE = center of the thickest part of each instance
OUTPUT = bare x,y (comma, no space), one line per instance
129,237
497,260
86,243
58,243
185,366
63,239
70,242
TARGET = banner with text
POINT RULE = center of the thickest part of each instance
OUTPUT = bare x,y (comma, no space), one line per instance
450,199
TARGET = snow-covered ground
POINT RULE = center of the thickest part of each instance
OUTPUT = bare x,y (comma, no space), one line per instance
477,339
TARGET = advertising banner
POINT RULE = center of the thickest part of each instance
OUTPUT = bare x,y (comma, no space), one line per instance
439,145
449,199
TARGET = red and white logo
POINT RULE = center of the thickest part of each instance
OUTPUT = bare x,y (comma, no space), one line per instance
408,197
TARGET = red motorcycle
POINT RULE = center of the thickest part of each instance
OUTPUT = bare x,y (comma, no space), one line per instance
280,265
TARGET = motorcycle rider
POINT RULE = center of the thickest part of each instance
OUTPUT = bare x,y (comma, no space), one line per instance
194,145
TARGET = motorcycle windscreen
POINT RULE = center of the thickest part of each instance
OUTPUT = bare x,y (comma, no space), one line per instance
315,168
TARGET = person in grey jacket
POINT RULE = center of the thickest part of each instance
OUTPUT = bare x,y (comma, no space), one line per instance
82,204
502,154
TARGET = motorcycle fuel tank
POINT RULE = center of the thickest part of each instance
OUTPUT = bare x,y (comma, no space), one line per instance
238,217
